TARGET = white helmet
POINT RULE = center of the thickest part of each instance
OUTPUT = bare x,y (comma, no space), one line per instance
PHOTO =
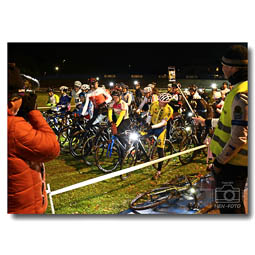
164,97
151,85
169,85
63,87
85,86
77,84
147,90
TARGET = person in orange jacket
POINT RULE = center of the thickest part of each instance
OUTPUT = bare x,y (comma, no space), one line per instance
31,142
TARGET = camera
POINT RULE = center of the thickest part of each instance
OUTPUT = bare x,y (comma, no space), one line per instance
227,194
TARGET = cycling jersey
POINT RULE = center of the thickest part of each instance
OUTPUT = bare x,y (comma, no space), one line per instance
97,97
65,103
75,95
53,100
159,114
119,110
127,97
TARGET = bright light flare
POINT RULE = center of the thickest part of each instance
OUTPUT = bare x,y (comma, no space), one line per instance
214,86
135,82
192,190
133,136
111,84
188,129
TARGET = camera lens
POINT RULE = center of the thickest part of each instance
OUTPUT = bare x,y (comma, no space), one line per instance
229,195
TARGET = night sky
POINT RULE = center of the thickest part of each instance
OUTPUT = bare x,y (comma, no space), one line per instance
74,58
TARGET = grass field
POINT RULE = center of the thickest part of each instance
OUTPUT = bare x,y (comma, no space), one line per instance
107,197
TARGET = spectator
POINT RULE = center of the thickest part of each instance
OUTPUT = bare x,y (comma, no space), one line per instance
229,143
29,145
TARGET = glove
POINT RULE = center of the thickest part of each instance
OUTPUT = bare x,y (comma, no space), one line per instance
28,104
114,128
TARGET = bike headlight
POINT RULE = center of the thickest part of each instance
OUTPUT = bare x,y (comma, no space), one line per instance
188,129
190,114
133,136
192,190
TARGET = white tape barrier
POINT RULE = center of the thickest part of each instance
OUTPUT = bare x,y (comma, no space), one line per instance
118,173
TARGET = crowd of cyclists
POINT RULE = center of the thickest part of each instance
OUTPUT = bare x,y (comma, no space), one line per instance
120,105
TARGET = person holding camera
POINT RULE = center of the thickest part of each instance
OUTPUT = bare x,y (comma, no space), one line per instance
31,142
229,143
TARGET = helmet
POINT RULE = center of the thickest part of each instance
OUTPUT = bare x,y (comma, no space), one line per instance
85,86
151,85
50,90
77,84
63,88
169,85
115,93
164,97
125,86
147,90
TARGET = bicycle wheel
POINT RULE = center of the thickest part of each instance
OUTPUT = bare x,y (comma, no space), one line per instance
76,143
87,151
107,160
176,137
152,198
168,150
187,143
63,139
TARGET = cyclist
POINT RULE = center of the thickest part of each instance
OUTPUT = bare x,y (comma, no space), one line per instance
127,96
201,106
53,99
138,94
176,100
99,97
149,98
76,91
64,101
169,88
159,114
85,88
79,108
118,115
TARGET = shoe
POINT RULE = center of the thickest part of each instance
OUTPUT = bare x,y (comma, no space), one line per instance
156,176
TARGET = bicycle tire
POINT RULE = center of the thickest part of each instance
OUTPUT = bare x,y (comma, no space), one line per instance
87,150
187,143
63,139
104,162
75,143
144,200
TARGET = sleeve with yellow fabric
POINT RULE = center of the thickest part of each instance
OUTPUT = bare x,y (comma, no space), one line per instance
110,114
121,116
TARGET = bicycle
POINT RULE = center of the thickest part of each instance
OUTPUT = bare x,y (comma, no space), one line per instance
191,140
183,187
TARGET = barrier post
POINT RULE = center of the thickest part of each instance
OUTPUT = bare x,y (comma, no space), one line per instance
51,200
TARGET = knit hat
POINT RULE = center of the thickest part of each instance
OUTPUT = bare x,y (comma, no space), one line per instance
236,55
15,81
